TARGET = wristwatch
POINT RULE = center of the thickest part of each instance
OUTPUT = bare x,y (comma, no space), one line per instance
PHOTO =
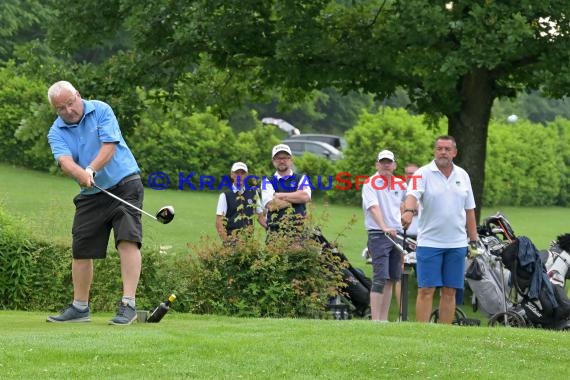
473,243
89,169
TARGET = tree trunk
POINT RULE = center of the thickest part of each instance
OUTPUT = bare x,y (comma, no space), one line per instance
469,127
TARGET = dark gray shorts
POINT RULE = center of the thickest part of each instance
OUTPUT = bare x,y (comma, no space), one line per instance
97,214
386,259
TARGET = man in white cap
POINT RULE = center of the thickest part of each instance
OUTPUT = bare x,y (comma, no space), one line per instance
286,194
382,196
237,206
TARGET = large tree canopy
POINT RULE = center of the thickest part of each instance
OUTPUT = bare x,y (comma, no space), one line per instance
452,58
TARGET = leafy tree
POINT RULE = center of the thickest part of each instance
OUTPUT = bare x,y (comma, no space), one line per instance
254,148
453,59
20,21
18,97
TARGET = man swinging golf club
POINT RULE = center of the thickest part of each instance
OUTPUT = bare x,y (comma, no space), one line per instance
86,142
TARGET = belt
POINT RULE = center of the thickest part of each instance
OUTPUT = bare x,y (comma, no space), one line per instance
375,231
129,178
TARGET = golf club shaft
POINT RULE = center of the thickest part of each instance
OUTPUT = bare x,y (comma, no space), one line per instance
124,201
396,244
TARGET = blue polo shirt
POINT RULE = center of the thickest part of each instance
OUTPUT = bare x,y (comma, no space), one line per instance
83,141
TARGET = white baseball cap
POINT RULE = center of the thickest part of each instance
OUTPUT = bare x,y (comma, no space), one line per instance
386,154
239,166
281,148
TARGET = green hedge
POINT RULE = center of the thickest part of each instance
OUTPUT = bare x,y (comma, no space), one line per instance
251,280
246,280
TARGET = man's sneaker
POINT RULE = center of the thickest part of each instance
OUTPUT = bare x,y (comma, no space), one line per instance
71,314
125,316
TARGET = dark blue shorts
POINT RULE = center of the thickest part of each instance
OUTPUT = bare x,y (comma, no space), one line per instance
96,215
438,267
386,259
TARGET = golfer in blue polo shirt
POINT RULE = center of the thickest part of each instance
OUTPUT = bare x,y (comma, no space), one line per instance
87,144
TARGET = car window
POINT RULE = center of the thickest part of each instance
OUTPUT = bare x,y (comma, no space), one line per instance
296,146
336,141
316,149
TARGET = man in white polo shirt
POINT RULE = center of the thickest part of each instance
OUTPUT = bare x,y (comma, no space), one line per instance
382,196
446,220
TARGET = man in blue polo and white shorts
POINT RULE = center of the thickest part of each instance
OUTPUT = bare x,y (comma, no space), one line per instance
446,223
87,144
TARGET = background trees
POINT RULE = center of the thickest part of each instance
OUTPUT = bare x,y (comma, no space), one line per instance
318,64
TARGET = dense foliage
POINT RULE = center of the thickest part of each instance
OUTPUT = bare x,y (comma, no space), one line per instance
18,95
248,279
253,280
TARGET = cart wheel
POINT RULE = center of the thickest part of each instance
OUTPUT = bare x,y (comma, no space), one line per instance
459,315
566,327
507,319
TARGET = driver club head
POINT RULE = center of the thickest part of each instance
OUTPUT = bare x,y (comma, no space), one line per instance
165,214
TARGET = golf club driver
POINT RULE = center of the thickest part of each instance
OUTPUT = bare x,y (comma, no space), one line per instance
164,215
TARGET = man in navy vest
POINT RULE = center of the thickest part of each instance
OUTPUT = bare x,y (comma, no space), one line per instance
285,194
237,207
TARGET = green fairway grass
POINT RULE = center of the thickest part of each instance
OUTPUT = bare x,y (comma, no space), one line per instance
185,346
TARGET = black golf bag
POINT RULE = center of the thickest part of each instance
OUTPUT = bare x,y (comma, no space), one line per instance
356,290
545,303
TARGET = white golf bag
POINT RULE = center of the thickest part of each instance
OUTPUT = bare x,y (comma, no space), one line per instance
488,279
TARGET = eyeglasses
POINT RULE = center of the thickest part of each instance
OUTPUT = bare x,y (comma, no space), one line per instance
65,106
281,158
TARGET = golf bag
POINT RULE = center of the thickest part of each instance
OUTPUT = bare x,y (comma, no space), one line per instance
540,298
545,304
558,260
488,279
356,290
